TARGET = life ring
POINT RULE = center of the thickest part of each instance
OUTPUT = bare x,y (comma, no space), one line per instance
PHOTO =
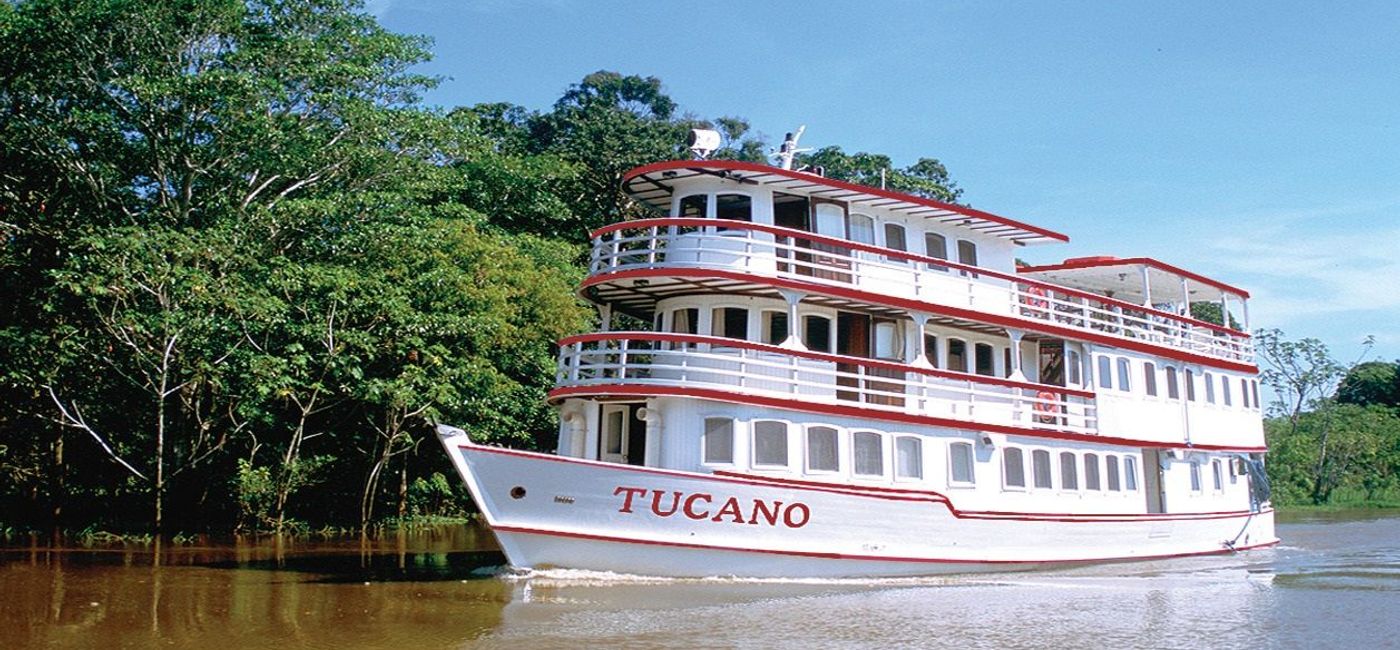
1047,406
1036,297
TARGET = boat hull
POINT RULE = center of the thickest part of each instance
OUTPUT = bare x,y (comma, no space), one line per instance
555,512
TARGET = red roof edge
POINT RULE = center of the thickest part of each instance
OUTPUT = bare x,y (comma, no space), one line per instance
736,165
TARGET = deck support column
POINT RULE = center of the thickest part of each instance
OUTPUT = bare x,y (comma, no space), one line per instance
1146,288
1017,371
918,350
794,337
605,318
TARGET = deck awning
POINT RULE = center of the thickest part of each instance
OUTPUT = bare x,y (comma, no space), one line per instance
1140,280
652,185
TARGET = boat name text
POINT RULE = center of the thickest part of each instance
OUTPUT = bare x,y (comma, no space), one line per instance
700,506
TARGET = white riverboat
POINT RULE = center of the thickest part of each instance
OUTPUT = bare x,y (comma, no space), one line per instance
846,381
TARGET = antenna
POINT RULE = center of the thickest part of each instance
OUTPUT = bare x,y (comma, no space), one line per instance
789,150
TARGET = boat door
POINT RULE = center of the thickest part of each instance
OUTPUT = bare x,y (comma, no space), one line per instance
1152,480
829,219
623,435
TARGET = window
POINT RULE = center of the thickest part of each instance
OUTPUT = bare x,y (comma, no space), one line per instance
1244,391
936,245
1190,386
1091,472
614,428
1173,387
685,321
1105,372
1040,468
695,206
770,443
1195,476
816,333
895,239
1225,389
908,457
1110,465
861,228
1217,473
967,254
1130,473
1006,362
719,440
1069,471
960,463
1254,391
730,322
867,454
1013,467
1149,378
822,454
985,359
1072,365
889,339
931,349
1210,388
738,207
957,355
775,327
1124,378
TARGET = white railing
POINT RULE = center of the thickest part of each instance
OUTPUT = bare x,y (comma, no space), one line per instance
782,252
687,360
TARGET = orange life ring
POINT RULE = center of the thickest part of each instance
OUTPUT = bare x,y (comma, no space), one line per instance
1036,297
1047,402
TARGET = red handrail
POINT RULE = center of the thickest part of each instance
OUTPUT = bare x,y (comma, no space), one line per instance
890,252
819,356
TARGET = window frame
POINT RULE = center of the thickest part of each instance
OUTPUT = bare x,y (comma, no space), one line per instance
807,447
856,437
754,446
705,441
1006,466
918,456
953,458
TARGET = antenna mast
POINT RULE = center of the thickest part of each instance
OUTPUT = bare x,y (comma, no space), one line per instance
789,149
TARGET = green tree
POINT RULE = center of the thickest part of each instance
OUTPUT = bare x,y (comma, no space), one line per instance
927,177
1372,382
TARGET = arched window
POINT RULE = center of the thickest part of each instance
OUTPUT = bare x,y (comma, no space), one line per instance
1105,372
1130,473
1210,388
1173,386
936,245
895,239
1195,476
957,355
960,463
1125,382
1069,471
822,451
1190,385
908,457
1225,389
967,254
730,322
1110,463
775,327
860,228
816,333
1149,378
1091,472
1040,468
984,358
867,454
1217,474
695,205
1013,467
770,443
718,442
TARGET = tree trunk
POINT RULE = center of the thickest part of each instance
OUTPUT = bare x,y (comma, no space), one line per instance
58,488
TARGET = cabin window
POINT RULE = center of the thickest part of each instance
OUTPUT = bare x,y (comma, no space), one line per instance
861,228
1210,388
1217,473
931,349
1225,389
967,254
1130,473
718,442
735,207
960,463
1110,465
908,457
1013,467
1091,472
816,333
695,205
1149,378
1105,372
1195,476
1190,385
1173,386
1254,391
730,322
775,327
936,245
984,356
889,339
1006,362
895,239
957,355
1069,471
867,454
614,429
1125,381
822,452
1072,365
1040,468
770,443
1244,391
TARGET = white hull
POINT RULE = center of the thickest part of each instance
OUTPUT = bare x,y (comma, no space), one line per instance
549,511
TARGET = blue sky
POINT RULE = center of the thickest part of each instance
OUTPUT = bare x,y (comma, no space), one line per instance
1258,143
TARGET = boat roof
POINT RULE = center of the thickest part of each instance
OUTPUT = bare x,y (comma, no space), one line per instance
652,185
1122,278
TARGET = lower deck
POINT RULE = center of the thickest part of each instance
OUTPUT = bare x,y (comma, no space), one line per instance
979,471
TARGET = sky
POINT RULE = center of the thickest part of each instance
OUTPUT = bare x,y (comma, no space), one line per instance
1255,143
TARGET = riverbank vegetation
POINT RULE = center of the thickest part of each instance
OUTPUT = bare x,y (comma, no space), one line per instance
244,267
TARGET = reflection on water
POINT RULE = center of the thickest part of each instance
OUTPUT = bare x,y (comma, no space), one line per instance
1335,581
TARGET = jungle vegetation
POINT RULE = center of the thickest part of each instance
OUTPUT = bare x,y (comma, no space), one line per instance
244,266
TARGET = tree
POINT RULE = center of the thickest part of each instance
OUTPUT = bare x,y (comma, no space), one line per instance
927,177
1372,382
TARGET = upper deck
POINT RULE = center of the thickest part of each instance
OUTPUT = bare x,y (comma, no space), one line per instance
752,229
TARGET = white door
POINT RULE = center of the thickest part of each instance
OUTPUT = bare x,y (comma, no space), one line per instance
613,441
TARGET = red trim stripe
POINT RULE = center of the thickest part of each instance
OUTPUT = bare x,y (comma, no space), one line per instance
873,558
928,307
843,410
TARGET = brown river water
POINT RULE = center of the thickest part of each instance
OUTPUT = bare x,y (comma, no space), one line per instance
1333,582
